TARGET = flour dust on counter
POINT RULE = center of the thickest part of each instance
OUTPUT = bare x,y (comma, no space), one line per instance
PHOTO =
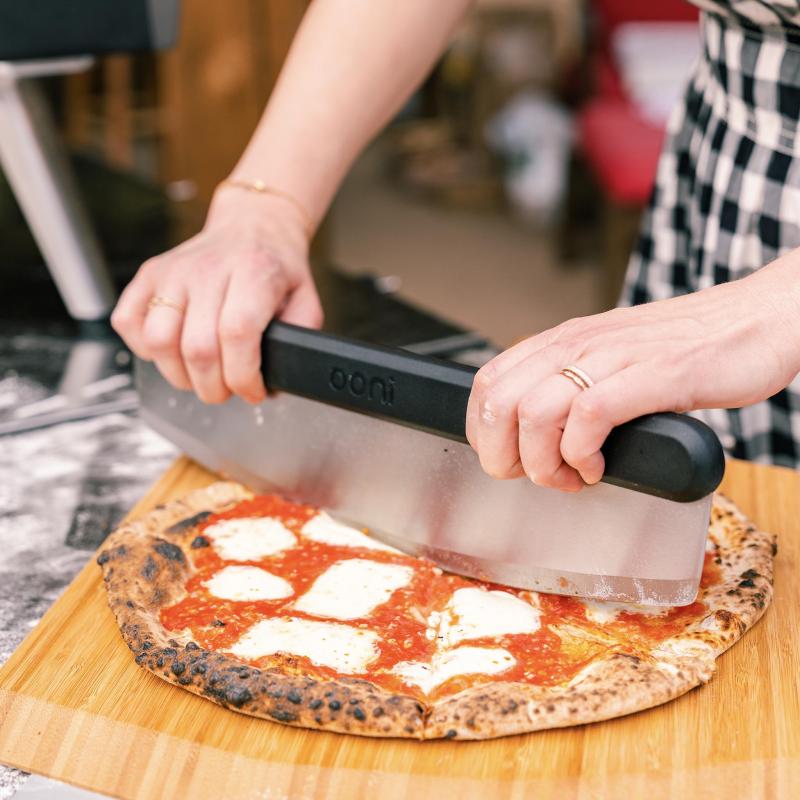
61,488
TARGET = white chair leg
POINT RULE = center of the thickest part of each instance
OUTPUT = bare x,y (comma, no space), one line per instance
35,163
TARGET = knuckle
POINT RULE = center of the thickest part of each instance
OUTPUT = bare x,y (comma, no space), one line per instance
271,273
485,376
541,463
573,339
237,330
151,265
567,330
200,353
590,406
121,320
159,340
531,415
494,405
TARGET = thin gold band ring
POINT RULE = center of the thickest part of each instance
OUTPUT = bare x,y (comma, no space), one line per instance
577,376
158,300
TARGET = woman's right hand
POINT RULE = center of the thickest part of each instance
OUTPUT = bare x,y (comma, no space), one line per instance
248,265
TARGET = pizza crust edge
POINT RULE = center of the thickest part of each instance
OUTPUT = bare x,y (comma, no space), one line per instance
623,684
145,567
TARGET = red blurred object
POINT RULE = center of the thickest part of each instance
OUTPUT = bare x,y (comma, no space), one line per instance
619,144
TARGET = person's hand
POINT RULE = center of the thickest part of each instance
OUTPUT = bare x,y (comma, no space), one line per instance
223,286
728,346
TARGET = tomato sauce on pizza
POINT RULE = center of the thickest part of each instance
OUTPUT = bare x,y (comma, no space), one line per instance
413,621
276,610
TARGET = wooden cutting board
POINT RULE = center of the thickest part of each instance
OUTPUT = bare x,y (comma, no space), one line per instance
74,706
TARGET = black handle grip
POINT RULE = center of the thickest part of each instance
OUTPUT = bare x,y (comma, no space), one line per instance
668,455
382,381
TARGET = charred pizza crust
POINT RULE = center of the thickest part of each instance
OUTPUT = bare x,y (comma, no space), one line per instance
622,682
145,565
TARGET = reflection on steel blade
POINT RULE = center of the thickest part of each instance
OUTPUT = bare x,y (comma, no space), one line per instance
428,495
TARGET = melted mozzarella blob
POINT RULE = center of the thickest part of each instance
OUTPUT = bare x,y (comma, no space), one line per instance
473,613
249,538
324,528
353,588
327,644
248,583
450,663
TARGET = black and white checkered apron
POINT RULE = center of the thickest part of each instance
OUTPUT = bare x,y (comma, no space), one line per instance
727,195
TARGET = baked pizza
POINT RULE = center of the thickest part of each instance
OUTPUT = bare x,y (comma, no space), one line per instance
279,611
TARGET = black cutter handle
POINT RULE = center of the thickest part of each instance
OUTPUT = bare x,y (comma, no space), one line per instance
667,455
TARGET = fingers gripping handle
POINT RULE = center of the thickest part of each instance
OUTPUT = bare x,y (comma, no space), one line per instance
668,455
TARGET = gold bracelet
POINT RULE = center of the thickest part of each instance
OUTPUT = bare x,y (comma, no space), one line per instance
259,187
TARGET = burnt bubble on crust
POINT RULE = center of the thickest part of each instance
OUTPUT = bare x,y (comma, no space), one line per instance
151,579
149,569
168,550
237,696
182,525
199,541
282,715
111,552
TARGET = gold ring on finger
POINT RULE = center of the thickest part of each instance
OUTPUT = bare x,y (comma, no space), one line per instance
577,376
159,300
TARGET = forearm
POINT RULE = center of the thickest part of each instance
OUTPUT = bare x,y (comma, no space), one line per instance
351,66
773,293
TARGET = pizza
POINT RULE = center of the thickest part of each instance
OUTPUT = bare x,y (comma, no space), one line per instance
277,610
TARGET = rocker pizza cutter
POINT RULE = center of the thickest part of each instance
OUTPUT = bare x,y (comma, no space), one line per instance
375,435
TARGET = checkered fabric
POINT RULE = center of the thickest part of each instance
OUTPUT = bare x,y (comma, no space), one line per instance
727,195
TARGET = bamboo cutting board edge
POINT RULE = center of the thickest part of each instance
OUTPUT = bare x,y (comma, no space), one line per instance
146,777
136,761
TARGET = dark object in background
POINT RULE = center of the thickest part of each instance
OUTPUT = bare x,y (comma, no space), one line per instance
131,216
43,38
48,28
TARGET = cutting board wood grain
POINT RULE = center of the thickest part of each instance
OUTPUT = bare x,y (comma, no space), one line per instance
74,706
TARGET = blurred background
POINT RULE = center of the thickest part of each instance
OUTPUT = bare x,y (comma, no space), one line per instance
502,200
506,194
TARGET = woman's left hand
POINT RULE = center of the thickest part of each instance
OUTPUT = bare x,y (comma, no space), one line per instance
723,347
